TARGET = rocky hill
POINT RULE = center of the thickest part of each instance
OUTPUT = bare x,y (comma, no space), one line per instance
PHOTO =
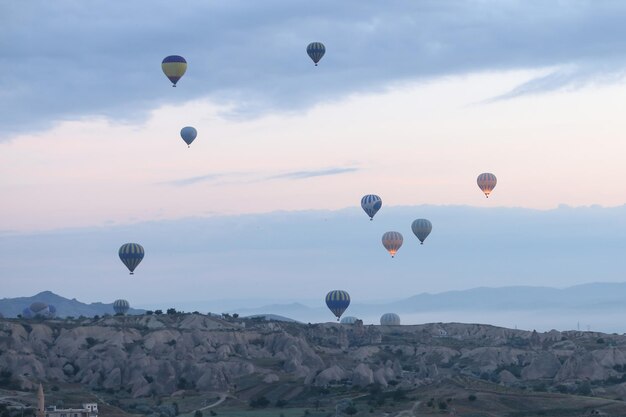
143,356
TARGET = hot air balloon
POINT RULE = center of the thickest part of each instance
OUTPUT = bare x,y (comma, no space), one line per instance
121,306
188,134
392,241
421,228
348,320
337,301
371,203
40,310
390,319
316,51
174,68
131,254
487,182
38,306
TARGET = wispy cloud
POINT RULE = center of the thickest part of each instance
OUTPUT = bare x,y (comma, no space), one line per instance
567,78
247,177
182,182
298,175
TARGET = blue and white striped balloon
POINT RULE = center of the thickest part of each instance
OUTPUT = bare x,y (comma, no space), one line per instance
421,228
131,255
337,301
371,203
316,51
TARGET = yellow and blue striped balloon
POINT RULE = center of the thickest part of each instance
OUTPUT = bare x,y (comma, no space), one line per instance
337,301
174,67
316,51
131,255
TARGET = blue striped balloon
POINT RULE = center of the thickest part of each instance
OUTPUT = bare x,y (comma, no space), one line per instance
131,255
421,228
316,51
337,301
371,203
121,306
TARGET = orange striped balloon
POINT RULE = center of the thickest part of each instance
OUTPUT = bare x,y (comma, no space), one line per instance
486,182
392,242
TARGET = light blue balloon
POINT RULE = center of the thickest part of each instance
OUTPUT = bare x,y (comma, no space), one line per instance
188,134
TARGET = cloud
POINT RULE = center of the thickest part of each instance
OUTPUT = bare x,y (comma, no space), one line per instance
298,175
247,177
68,60
192,180
567,78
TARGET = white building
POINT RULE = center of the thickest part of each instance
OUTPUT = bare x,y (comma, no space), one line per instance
87,410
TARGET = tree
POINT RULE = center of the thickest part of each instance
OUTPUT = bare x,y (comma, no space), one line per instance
149,312
158,312
260,402
171,311
198,413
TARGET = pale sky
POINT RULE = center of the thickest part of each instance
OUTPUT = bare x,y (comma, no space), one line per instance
411,102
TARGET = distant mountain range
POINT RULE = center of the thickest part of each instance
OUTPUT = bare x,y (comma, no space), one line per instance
11,307
597,305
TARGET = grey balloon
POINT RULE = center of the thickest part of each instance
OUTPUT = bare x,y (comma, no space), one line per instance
390,319
121,306
421,228
348,320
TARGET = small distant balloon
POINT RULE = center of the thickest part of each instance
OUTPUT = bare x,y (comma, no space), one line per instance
392,241
421,228
390,319
348,320
316,51
174,67
121,306
131,255
188,134
337,301
486,182
371,203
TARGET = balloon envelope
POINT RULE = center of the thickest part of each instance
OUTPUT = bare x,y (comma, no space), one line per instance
487,182
390,319
37,306
371,203
316,51
174,67
337,301
348,320
131,255
188,134
121,306
392,241
421,228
